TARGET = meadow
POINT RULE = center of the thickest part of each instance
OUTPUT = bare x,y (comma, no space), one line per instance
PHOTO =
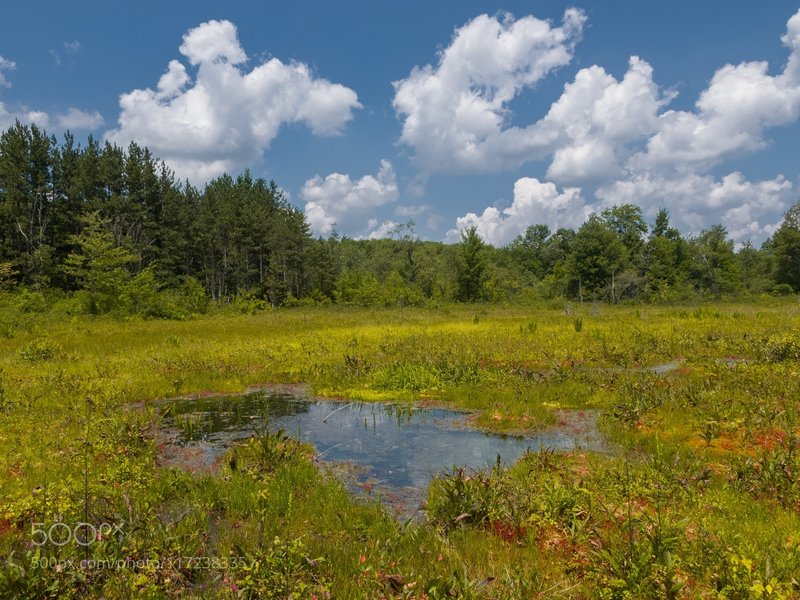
698,495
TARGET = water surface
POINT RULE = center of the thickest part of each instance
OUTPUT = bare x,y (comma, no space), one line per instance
394,450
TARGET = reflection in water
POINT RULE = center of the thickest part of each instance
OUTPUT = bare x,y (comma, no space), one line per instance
397,449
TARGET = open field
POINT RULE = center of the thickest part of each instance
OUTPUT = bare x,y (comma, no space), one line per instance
700,496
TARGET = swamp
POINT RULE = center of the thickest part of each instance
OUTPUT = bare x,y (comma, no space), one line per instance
651,452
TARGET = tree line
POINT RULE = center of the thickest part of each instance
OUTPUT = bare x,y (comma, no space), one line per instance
101,229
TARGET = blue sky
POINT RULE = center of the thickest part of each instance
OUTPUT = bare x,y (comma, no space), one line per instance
499,115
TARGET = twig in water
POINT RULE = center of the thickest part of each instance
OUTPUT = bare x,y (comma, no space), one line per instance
321,454
337,410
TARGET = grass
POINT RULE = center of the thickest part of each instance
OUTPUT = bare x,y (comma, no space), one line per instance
700,499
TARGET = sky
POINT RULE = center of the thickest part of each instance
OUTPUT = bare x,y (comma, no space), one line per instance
452,114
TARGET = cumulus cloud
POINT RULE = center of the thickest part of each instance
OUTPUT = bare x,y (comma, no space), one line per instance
750,210
381,232
596,118
23,115
75,118
338,201
731,116
455,113
226,116
534,202
616,139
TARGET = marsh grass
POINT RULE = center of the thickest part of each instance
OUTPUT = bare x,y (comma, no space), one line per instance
701,500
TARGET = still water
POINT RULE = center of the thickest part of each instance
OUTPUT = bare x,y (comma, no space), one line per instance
394,450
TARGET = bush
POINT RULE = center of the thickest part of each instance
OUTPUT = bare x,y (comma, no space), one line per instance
316,298
782,289
31,302
40,350
779,348
147,297
357,287
248,303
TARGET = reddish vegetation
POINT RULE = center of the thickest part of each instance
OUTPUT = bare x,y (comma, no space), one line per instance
508,532
769,439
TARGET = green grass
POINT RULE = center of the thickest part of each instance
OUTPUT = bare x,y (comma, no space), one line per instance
699,498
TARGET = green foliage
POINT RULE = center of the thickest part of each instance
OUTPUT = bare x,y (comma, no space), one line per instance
7,275
627,222
781,347
99,265
40,350
786,246
359,288
363,289
31,301
145,296
714,266
471,269
282,570
88,218
782,289
460,498
267,451
598,256
775,472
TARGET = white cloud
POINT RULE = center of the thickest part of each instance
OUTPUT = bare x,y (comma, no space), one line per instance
227,116
384,231
615,138
23,115
338,201
73,119
534,202
750,210
731,115
455,114
69,48
412,210
173,81
78,119
597,117
213,42
6,65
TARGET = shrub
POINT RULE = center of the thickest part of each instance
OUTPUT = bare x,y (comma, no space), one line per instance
782,347
40,350
31,302
782,289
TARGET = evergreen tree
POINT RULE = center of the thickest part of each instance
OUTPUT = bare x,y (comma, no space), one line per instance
99,265
471,266
662,255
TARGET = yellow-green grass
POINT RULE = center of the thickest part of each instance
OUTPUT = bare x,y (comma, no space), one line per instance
704,454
